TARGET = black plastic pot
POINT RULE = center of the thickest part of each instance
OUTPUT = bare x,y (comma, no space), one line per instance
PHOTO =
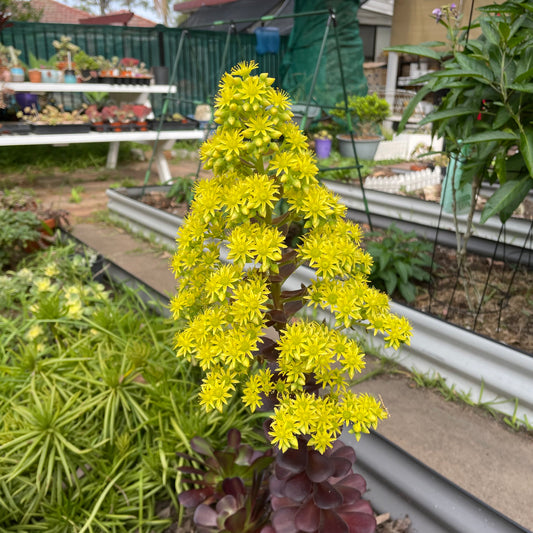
14,128
160,75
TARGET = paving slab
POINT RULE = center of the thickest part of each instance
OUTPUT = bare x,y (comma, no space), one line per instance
466,445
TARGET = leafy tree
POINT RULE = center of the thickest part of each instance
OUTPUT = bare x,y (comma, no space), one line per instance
19,10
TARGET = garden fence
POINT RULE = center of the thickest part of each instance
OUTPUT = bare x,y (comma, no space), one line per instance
200,63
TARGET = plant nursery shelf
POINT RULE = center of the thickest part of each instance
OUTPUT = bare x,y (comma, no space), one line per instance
89,87
135,93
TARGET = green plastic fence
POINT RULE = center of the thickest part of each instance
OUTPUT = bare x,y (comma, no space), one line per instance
199,67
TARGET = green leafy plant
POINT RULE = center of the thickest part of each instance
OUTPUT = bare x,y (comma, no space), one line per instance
400,260
75,194
487,111
364,113
182,190
18,229
84,61
93,403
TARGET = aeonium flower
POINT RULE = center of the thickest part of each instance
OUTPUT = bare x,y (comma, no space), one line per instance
233,260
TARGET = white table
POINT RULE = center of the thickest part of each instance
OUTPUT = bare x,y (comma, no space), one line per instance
137,93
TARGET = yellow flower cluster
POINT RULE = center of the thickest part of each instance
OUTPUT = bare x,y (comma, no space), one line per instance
232,260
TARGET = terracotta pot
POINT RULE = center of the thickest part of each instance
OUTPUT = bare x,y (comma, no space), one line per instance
35,75
142,125
5,74
46,231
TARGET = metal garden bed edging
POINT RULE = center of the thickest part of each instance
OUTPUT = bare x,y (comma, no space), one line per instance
143,218
398,483
401,485
470,362
423,217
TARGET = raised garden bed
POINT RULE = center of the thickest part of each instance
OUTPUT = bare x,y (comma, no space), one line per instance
472,363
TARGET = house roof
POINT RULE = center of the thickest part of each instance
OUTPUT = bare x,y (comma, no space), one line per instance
119,18
56,12
202,13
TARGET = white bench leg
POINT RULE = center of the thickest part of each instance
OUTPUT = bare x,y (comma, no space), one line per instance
112,154
161,162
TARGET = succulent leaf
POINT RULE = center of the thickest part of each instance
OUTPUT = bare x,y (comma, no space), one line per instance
283,520
298,487
205,516
333,523
360,522
326,496
319,467
307,518
194,497
201,446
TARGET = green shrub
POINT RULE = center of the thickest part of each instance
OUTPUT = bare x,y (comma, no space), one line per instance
94,404
182,190
18,228
399,261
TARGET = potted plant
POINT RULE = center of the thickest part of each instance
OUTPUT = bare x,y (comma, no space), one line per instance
323,141
95,117
141,112
47,68
127,68
65,52
366,115
176,121
86,67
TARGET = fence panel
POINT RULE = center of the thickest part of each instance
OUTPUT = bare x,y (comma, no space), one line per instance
199,67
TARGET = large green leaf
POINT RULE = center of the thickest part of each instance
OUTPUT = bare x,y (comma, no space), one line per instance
408,111
527,75
526,147
490,32
470,64
507,198
446,113
522,87
488,136
419,50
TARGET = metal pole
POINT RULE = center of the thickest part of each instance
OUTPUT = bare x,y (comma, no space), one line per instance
350,127
165,106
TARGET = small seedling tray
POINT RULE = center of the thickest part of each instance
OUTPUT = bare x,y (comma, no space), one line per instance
170,125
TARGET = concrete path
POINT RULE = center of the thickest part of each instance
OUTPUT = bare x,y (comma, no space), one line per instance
465,444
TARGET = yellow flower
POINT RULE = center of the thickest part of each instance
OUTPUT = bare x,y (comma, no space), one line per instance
34,332
43,284
239,244
244,68
261,193
238,317
266,247
51,270
283,430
